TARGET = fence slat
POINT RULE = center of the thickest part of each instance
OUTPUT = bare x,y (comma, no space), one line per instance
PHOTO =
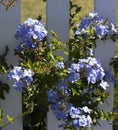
9,21
58,18
105,51
58,21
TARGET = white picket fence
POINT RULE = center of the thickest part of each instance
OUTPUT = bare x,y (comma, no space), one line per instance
58,20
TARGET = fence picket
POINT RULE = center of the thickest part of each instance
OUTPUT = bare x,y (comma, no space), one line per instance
105,52
12,105
58,21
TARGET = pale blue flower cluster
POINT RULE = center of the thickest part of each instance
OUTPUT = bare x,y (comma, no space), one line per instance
99,25
57,106
89,68
81,117
22,77
65,111
29,33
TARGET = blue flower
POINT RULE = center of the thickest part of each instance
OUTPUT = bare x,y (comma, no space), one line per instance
28,80
98,24
113,28
76,123
92,75
89,121
58,110
60,115
18,85
62,86
109,77
60,65
73,71
93,14
28,73
28,30
82,121
52,95
56,106
21,76
90,51
16,73
95,74
75,112
104,84
74,77
88,68
86,109
95,71
74,68
101,30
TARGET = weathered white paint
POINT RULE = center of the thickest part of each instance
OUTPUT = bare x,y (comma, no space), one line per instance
58,21
105,51
9,21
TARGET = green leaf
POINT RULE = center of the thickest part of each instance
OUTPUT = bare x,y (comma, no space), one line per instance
66,53
53,33
10,119
91,30
98,98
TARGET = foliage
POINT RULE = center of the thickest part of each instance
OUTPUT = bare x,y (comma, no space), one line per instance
72,87
3,86
3,69
114,62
